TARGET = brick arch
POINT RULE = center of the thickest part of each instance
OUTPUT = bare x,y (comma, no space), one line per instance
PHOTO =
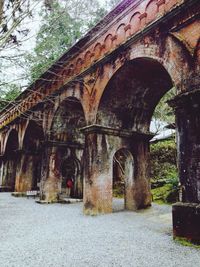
108,43
151,10
13,136
97,51
28,174
171,68
79,64
135,22
87,58
121,34
69,112
173,63
71,70
64,73
70,92
128,100
33,132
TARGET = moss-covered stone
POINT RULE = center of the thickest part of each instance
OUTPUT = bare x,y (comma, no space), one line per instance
185,242
165,194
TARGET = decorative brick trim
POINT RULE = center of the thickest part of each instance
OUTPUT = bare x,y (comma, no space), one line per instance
143,15
127,27
114,37
160,3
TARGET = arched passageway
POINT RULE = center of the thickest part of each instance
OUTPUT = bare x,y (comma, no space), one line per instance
71,171
66,146
129,100
123,176
9,162
123,120
29,169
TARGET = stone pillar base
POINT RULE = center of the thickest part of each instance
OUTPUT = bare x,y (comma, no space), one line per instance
186,221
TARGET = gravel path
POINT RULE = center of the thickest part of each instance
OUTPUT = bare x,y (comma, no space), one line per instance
61,236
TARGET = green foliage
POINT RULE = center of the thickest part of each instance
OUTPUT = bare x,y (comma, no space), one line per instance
98,15
62,24
187,243
165,194
118,189
57,33
163,111
163,160
61,27
164,171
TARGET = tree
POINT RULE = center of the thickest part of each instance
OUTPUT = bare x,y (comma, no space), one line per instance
13,32
112,3
57,33
163,113
12,15
61,27
62,24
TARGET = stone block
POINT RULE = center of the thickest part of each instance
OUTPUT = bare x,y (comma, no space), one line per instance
186,221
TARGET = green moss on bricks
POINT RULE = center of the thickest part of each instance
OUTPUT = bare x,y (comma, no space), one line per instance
187,243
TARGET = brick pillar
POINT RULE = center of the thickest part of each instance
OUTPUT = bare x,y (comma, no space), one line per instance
97,192
50,186
24,173
100,146
1,173
8,171
186,213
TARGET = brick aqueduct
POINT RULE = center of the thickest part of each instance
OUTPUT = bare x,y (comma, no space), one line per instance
94,107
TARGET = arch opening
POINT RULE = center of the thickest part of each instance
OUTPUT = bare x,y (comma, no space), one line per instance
130,97
70,170
69,145
67,121
29,169
10,161
128,103
123,178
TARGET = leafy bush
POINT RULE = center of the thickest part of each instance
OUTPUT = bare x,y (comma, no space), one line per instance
164,175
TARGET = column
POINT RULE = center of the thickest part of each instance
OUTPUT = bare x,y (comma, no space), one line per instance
101,144
186,213
97,190
50,185
8,171
24,173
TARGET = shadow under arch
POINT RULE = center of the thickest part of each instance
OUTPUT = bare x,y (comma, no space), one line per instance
71,169
10,161
68,119
29,170
131,95
67,145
